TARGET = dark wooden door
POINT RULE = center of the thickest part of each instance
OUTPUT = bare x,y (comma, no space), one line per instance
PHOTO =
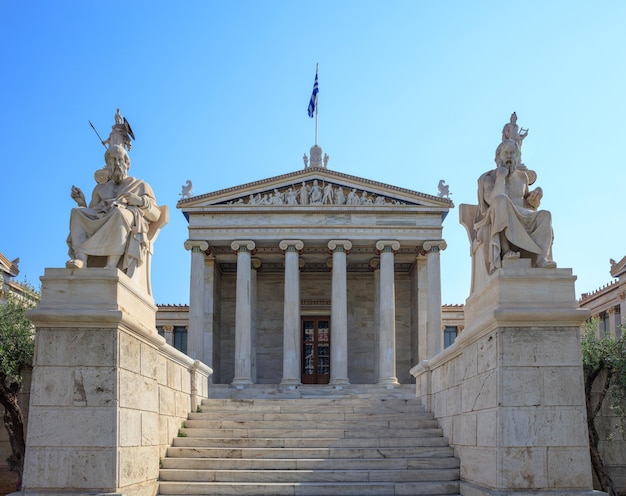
315,350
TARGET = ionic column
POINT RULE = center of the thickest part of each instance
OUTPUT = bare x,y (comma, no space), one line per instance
168,332
195,345
339,313
291,319
422,308
433,275
243,313
256,266
209,355
387,331
375,268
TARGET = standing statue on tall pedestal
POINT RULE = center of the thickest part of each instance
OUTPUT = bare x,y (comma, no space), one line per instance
118,227
121,133
512,131
506,223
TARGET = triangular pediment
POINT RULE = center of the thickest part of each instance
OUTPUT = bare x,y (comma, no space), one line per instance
314,187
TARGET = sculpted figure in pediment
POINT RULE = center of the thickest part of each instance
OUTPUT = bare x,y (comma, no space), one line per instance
316,193
303,193
340,198
327,199
353,198
291,196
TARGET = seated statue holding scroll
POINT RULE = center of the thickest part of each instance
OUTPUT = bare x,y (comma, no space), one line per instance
116,223
507,221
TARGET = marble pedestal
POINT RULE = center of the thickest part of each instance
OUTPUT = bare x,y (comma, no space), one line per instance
509,393
94,412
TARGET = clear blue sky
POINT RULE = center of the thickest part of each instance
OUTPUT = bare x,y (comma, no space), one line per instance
411,92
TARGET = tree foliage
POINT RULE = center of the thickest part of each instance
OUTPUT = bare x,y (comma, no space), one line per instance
16,353
604,365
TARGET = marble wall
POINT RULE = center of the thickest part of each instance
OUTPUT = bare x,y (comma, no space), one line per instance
315,292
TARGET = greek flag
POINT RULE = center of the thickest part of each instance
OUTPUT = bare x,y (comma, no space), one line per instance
313,101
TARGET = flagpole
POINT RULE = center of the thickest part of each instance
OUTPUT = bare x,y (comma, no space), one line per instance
317,109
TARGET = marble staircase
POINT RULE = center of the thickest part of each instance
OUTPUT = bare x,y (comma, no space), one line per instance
380,442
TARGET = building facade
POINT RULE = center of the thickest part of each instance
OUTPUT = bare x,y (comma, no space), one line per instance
314,277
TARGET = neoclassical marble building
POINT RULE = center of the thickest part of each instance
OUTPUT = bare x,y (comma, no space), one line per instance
314,276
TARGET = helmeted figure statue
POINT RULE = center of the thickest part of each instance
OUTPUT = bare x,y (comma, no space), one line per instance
121,133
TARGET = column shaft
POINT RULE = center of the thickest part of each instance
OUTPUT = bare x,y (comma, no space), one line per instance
243,314
195,333
339,314
422,309
387,332
433,270
210,299
291,315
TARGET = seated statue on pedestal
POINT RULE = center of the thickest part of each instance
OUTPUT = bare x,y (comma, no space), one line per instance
506,223
117,228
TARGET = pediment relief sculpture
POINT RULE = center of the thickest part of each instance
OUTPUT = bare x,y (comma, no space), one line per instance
316,192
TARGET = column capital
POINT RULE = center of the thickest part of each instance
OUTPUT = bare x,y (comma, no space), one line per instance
285,244
342,244
243,244
256,263
387,245
196,245
433,245
374,264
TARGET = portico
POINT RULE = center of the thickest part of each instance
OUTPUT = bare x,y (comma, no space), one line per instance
289,283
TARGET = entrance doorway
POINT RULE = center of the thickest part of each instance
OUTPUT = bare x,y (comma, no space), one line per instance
315,350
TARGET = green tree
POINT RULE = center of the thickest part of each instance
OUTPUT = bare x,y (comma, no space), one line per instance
604,365
16,353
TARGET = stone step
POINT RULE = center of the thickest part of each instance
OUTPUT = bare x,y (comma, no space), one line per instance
278,433
307,416
308,442
305,391
326,446
415,462
361,475
393,452
310,488
323,423
312,405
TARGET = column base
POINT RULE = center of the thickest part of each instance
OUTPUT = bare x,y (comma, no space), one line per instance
389,381
339,382
290,383
240,383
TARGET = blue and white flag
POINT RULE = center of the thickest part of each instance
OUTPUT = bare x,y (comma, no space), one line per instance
313,101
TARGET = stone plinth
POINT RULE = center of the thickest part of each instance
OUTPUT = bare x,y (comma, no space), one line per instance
107,393
509,393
